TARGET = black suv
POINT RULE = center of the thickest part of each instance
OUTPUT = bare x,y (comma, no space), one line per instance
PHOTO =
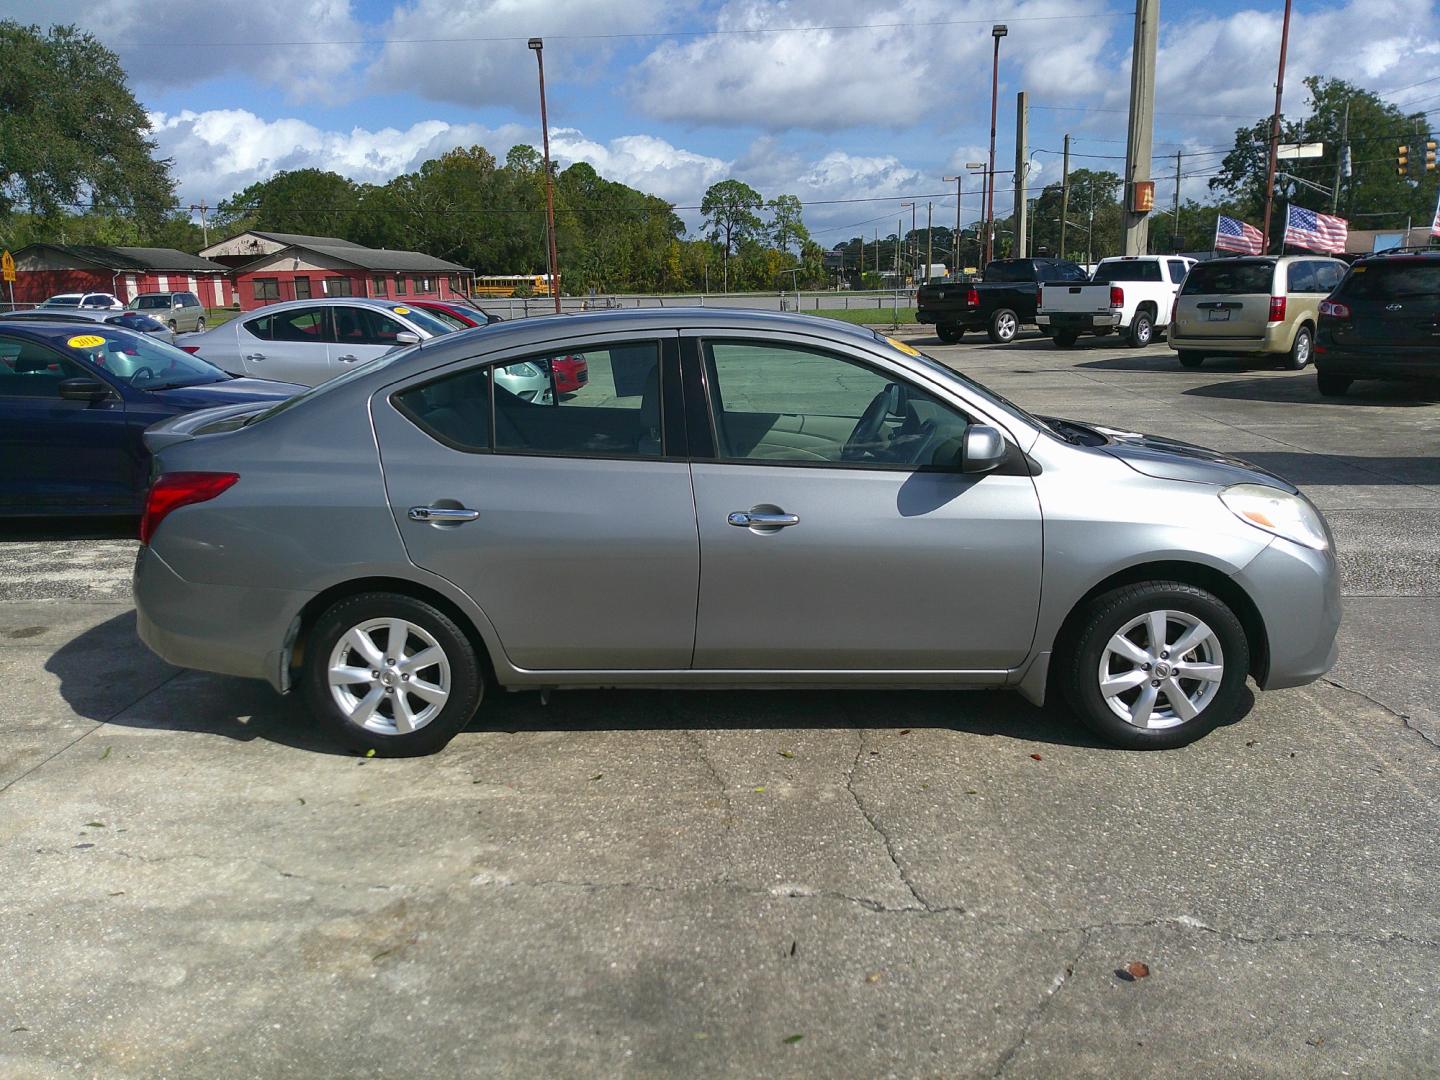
1381,322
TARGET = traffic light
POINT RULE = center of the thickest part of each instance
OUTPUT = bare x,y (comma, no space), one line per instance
1429,155
1402,161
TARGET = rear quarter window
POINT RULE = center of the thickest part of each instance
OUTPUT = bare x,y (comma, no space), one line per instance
1229,279
1381,280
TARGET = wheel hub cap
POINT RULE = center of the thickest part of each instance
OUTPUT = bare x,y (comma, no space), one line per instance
389,676
1161,669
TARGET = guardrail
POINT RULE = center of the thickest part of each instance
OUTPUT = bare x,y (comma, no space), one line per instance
516,307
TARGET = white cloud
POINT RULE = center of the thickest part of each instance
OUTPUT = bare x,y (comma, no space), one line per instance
160,44
476,73
828,80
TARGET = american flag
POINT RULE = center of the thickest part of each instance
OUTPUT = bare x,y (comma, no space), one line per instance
1434,225
1232,235
1318,232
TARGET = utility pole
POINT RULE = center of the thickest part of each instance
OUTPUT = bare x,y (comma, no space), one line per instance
1175,217
1275,130
959,192
929,239
1142,124
204,228
1022,169
1064,195
538,47
1342,159
998,31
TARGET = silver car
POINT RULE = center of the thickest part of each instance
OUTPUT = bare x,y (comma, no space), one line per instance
735,498
130,320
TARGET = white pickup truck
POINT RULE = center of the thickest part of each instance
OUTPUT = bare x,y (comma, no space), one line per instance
1133,294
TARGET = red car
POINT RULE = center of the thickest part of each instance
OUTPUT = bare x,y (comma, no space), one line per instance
571,372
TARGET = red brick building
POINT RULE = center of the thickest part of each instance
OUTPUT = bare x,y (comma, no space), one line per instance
288,266
42,270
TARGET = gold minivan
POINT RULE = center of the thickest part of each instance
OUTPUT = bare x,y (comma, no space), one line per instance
1252,305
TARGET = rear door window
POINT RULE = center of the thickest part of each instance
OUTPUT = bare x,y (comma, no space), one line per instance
1224,277
1300,278
1177,270
299,324
366,326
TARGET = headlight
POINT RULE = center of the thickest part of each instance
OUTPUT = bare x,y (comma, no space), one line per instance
1277,512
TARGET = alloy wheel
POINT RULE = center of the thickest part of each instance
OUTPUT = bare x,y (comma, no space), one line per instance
389,676
1161,669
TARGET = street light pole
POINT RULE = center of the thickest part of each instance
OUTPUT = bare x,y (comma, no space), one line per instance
997,31
538,45
959,192
1275,131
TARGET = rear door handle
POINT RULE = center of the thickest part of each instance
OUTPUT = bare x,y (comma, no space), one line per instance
762,519
255,356
443,515
348,359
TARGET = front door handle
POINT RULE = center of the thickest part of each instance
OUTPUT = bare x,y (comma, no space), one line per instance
443,515
348,359
762,519
255,356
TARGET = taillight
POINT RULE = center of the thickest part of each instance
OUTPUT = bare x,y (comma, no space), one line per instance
972,297
1117,297
1334,309
1039,296
170,491
1277,309
191,349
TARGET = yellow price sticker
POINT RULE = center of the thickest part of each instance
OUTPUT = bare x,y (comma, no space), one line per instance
86,341
908,350
401,310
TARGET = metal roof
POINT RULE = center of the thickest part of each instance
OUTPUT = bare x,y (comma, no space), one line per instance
384,259
133,258
297,239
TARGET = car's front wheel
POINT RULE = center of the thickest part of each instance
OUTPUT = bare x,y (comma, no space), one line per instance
200,325
173,325
1004,324
390,673
1155,665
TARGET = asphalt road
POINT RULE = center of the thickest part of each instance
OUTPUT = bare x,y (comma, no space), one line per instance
193,882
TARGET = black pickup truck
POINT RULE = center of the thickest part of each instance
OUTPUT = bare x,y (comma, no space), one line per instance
999,303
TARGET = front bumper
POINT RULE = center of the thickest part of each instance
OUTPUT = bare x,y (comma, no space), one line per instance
1078,321
221,628
1297,593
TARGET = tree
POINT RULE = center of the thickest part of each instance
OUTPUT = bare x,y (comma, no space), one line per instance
729,207
310,201
71,132
787,225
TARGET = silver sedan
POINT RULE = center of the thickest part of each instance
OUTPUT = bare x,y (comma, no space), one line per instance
734,498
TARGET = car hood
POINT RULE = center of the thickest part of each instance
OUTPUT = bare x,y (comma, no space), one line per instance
1170,459
229,392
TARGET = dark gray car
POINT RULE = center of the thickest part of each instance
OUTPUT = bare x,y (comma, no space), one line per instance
735,498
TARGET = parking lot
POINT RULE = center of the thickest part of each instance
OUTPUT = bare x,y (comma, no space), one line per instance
194,881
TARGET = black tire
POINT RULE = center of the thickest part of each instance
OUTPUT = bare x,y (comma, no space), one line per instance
1331,384
949,335
1142,329
466,680
1004,325
1191,359
1081,655
1301,349
1066,338
174,327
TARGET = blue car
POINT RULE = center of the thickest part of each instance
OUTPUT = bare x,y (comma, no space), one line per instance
74,401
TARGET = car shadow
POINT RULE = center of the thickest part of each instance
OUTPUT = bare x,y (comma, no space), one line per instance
1160,358
245,709
1303,390
69,528
1307,469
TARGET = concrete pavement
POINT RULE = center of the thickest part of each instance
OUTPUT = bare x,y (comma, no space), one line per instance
194,882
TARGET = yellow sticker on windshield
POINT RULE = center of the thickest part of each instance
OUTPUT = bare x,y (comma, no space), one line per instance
1359,269
401,310
86,341
908,350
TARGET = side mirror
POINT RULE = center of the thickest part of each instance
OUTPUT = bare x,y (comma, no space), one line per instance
982,450
405,337
83,390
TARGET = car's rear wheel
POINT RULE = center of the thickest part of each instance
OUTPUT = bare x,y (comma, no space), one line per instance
1142,329
1191,359
390,673
1066,338
1331,384
1156,665
174,326
949,335
1003,326
200,325
1300,351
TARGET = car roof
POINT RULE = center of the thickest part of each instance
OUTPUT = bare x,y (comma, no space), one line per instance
333,301
52,332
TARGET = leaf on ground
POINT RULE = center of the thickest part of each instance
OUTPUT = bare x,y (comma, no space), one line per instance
760,790
1137,969
791,1040
875,977
370,752
1036,757
972,791
105,753
1318,1040
786,754
597,776
302,799
94,824
905,731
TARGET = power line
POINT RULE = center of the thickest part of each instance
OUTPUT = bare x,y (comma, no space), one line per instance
654,34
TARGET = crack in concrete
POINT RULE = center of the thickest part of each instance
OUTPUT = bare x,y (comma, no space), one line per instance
1404,718
1058,983
724,790
879,829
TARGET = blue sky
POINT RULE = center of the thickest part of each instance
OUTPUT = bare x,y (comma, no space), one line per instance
672,95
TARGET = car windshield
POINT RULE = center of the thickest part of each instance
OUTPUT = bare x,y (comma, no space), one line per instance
424,319
150,303
357,372
62,301
1126,270
448,319
929,363
1225,277
141,361
1382,280
133,320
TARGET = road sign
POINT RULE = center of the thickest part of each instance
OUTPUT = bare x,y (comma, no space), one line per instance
7,267
1300,150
